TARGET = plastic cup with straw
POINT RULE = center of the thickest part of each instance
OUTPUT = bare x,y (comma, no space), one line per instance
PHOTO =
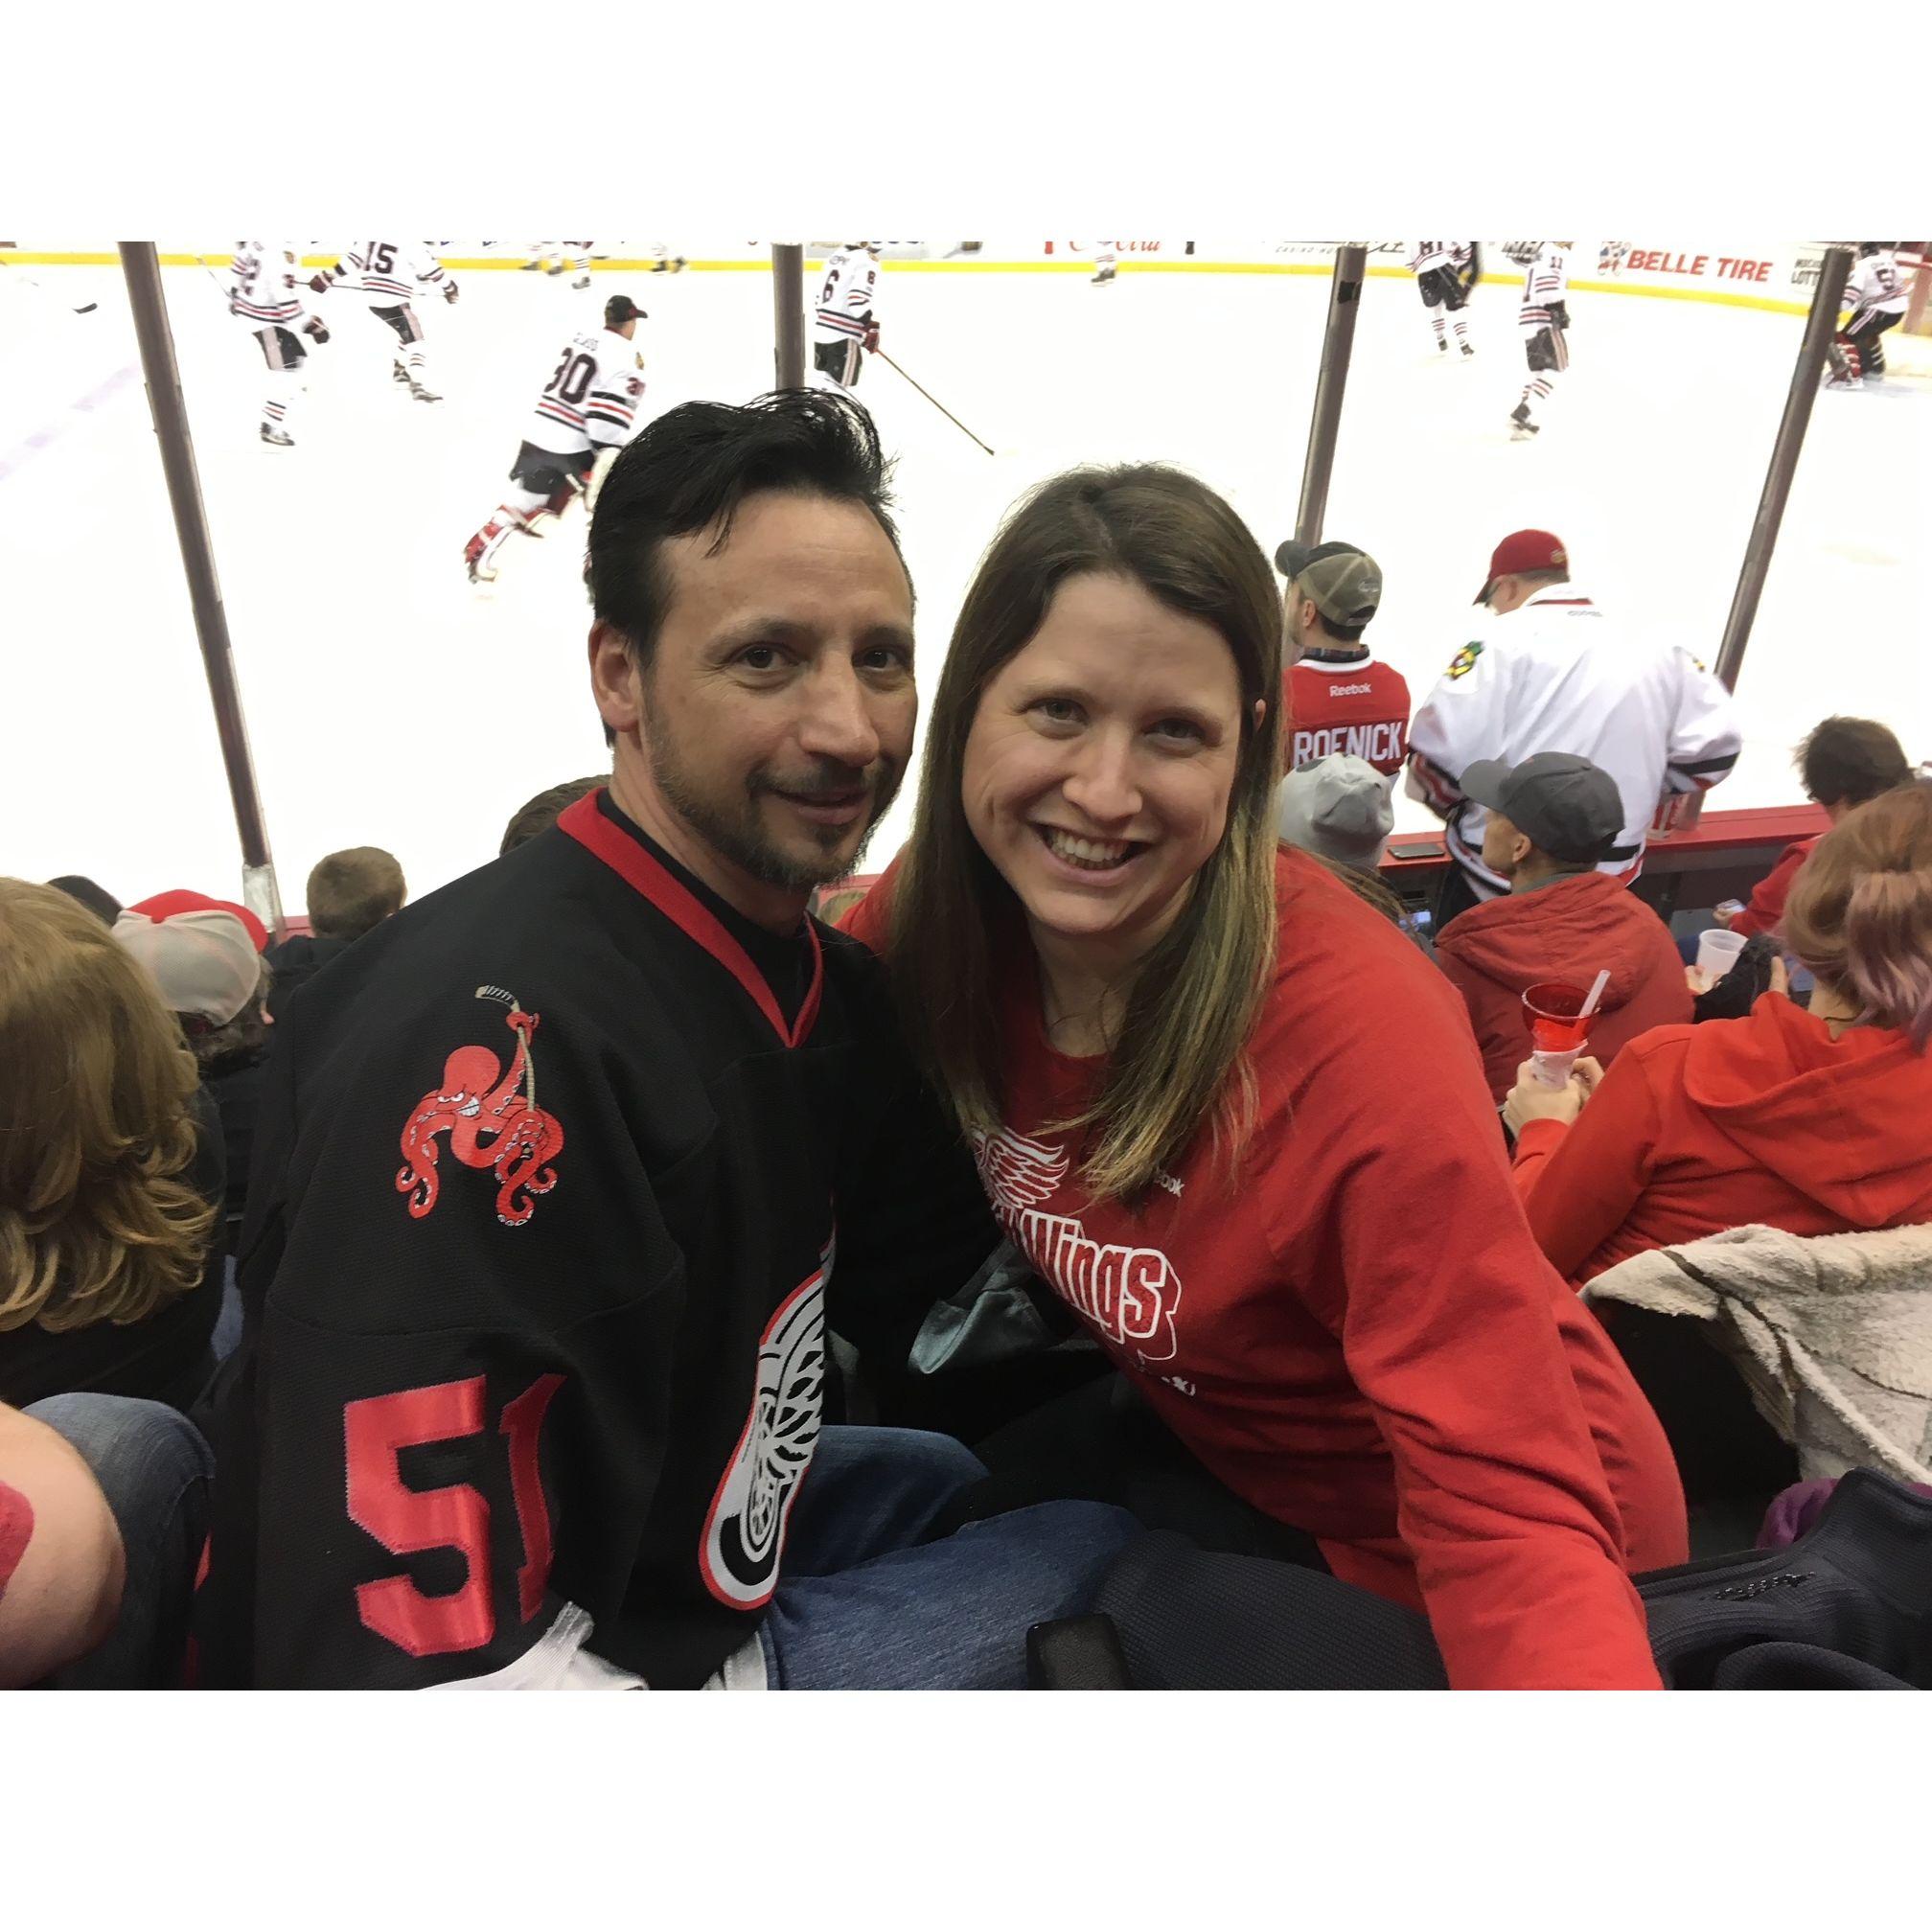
1559,1025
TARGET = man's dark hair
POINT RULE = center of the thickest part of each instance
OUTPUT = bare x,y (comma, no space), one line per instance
97,899
692,469
1541,577
543,811
1340,633
1849,761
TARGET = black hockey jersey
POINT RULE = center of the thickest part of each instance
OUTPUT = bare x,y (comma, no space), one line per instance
556,1196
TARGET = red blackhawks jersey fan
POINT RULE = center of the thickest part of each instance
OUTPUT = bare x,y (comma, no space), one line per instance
1341,698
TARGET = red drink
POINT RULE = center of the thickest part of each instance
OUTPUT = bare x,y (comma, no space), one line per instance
1551,1009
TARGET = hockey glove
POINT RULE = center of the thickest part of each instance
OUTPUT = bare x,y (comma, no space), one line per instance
448,291
319,283
1559,315
871,335
318,328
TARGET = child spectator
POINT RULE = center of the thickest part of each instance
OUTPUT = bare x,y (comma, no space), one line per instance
111,1167
542,812
349,893
1843,763
1551,819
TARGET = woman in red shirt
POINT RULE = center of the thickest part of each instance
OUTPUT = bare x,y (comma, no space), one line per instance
1233,1117
1818,1122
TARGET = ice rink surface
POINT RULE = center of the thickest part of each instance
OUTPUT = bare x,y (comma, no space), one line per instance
388,704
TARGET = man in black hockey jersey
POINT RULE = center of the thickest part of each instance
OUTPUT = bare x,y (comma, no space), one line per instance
569,1167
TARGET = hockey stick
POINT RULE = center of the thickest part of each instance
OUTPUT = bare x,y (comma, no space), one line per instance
41,288
931,398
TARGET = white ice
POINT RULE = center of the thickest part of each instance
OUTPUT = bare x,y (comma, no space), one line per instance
388,705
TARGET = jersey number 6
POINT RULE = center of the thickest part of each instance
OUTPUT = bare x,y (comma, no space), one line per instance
405,1521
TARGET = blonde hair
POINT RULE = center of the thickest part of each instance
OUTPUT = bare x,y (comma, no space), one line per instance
1180,1061
98,1222
1859,914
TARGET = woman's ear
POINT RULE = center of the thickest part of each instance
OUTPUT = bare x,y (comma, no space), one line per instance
1260,713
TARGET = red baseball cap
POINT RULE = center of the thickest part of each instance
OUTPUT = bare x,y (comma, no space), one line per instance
1524,550
165,906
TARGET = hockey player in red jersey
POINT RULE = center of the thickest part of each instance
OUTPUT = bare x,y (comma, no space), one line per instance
588,406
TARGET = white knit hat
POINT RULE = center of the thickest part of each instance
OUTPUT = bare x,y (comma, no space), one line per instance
205,963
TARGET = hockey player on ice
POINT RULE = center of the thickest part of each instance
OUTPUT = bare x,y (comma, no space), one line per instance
386,274
265,294
1877,297
844,322
589,406
1545,321
1445,271
552,259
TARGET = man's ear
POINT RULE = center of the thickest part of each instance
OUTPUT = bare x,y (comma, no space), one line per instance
614,678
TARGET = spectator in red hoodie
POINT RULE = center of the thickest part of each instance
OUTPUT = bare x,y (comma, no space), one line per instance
1231,1117
1845,763
1551,819
1818,1122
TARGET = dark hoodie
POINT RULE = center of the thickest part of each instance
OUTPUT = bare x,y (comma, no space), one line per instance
1571,928
1767,1119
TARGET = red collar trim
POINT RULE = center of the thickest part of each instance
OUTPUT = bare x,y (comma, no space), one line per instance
586,823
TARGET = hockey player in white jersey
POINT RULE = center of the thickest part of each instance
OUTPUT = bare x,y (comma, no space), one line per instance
1545,321
1545,669
266,293
845,321
386,274
588,406
1876,294
1445,271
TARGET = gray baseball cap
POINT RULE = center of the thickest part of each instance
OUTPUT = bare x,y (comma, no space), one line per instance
1563,804
1338,807
1346,583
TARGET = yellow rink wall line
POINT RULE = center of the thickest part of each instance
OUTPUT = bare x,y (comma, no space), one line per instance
1724,298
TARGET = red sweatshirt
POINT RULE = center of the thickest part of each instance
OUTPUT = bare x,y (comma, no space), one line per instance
1766,1118
1765,913
1571,928
1358,1335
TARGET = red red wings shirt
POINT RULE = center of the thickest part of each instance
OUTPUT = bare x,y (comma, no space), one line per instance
1359,708
1360,1337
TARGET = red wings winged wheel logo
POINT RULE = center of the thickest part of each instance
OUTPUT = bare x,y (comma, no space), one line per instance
493,1120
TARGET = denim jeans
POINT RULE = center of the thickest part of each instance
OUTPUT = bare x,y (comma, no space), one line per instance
865,1605
153,1468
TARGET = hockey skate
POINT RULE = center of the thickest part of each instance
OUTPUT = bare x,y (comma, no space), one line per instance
1102,277
1523,428
281,438
1442,345
399,374
661,267
421,392
481,569
1468,348
582,282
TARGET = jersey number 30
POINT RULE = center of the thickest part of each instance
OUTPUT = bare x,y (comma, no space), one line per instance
572,379
406,1521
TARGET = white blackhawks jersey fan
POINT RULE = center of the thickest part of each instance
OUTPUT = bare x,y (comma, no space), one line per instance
1556,674
588,408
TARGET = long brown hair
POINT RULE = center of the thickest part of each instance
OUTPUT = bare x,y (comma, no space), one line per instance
1179,1062
1859,915
98,1222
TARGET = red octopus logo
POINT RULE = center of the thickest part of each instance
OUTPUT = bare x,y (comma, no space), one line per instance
493,1123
